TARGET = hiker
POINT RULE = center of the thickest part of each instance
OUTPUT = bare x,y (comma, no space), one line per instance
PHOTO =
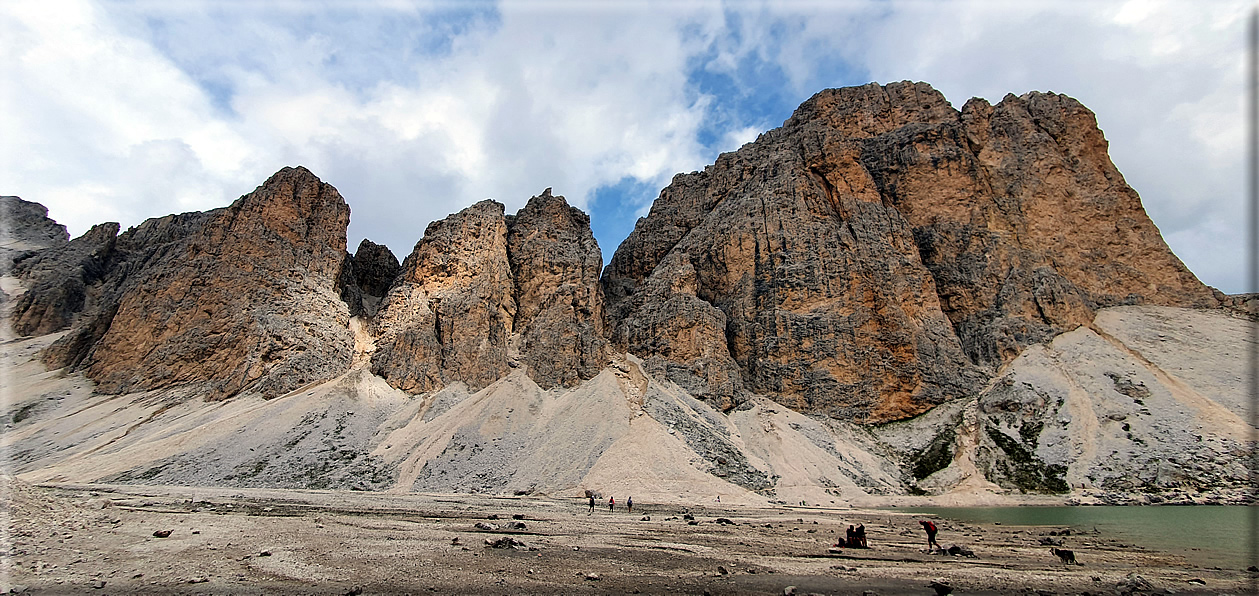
931,534
611,504
629,505
860,535
850,536
592,505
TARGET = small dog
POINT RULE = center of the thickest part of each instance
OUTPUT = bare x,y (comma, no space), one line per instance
1067,557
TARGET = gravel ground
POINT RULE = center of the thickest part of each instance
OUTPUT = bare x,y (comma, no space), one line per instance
100,539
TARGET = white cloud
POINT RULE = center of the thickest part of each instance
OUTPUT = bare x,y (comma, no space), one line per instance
131,110
139,110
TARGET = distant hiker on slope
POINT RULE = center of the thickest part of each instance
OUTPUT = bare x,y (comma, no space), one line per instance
931,534
611,504
592,505
629,505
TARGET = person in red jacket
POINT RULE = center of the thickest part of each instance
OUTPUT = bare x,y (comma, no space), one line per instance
931,534
611,504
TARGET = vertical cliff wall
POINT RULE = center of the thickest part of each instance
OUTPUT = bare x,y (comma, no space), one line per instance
882,252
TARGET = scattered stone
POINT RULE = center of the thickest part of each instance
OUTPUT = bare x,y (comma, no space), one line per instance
201,579
98,584
722,570
688,517
1050,542
484,527
789,591
959,550
1135,584
492,516
941,588
516,526
1197,580
646,518
725,522
506,542
593,577
355,591
265,553
518,516
162,533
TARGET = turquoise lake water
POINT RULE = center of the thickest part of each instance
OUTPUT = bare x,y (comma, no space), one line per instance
1207,536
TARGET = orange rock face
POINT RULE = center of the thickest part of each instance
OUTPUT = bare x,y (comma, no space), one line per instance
449,315
555,264
482,293
247,299
882,252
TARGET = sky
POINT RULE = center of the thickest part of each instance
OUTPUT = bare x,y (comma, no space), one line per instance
121,111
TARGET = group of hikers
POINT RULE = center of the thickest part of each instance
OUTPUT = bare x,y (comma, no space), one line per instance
629,504
856,536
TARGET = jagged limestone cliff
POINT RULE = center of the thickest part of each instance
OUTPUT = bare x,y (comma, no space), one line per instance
935,296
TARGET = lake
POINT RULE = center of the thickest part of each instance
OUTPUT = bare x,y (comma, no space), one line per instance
1207,535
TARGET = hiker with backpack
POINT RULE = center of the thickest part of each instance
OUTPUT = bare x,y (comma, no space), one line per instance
931,530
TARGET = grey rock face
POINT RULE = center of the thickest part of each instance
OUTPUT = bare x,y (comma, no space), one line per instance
58,278
375,268
366,277
25,226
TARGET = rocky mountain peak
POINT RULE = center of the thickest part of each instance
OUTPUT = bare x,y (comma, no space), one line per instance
26,226
243,298
872,109
556,263
483,292
882,252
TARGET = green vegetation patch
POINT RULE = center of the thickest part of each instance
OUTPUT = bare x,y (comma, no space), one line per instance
1026,471
935,456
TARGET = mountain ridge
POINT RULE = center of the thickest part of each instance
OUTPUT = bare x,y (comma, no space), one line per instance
881,262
